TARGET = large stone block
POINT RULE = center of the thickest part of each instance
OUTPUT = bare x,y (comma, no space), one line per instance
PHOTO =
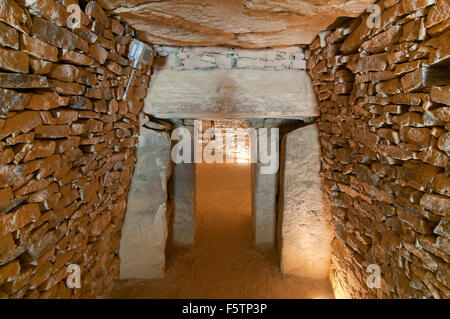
264,206
249,23
57,36
144,234
11,13
48,9
22,81
230,94
12,60
184,203
37,48
9,37
183,195
12,100
304,230
265,190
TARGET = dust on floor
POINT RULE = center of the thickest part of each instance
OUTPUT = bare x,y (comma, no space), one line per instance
223,262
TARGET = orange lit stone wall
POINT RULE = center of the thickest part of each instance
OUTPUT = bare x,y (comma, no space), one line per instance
67,146
384,132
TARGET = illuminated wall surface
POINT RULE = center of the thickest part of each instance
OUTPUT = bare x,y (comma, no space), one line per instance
360,198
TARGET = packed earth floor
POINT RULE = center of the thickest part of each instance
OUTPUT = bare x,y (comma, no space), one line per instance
223,262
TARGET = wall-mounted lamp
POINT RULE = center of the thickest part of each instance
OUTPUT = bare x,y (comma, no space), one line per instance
139,53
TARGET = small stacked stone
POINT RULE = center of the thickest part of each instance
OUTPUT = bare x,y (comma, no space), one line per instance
67,146
384,131
224,58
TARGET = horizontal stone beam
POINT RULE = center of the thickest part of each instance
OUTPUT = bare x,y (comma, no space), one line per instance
231,94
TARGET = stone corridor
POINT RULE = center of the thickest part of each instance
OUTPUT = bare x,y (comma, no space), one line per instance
223,261
353,98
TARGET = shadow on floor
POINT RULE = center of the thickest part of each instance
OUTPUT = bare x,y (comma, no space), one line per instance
223,262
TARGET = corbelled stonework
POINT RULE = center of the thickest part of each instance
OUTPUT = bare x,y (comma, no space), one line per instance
244,23
384,127
69,138
67,148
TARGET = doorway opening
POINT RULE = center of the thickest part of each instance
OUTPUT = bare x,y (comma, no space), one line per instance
223,260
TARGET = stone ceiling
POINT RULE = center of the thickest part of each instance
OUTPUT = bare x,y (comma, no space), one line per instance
244,23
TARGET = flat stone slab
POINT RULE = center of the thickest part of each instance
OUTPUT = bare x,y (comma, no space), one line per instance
183,196
265,191
231,94
264,207
184,203
244,23
144,233
305,231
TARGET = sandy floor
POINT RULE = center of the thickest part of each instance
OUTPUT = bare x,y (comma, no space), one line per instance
223,262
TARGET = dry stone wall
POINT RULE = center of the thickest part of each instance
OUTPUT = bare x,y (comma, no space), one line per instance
225,58
384,132
67,146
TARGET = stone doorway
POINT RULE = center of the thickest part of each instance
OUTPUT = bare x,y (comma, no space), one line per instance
223,261
230,212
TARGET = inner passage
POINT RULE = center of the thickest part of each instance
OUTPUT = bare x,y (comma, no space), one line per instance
223,262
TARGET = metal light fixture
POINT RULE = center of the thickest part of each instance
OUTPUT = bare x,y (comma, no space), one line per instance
139,53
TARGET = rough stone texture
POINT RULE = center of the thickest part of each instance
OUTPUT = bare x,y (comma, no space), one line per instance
38,48
12,100
57,36
66,160
184,203
265,191
230,93
441,94
225,58
304,230
383,131
245,23
12,60
144,233
11,13
9,37
384,137
182,193
225,82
